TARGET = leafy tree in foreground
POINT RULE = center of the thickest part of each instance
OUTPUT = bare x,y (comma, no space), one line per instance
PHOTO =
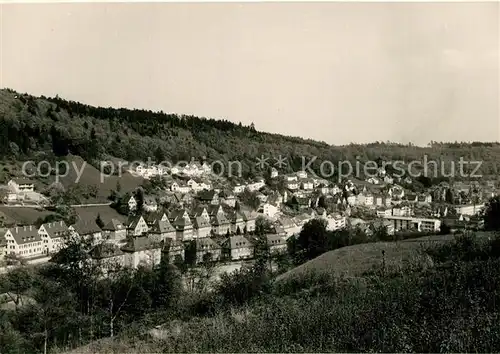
313,239
491,214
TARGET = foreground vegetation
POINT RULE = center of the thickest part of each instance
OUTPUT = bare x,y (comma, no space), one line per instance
442,297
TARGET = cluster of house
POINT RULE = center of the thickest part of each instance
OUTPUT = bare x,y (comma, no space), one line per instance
30,241
147,238
192,169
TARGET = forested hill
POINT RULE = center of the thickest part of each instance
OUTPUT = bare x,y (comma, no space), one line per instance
32,124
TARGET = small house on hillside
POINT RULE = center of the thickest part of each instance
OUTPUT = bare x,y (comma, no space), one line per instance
150,204
21,185
132,203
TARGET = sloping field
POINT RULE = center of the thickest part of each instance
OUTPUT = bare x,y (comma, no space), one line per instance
107,213
21,215
92,176
355,260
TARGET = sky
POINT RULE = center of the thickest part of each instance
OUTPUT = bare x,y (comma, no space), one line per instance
336,72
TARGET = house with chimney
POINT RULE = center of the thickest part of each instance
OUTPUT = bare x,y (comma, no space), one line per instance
24,241
52,235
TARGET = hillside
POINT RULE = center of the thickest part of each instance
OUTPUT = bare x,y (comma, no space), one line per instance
30,125
21,216
88,175
352,261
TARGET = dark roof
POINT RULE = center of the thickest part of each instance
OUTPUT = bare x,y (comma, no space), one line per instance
273,240
248,215
114,225
200,222
177,213
162,227
213,209
105,250
207,195
174,245
154,217
226,194
25,234
219,219
198,211
133,221
86,227
139,243
23,181
235,242
236,217
206,244
55,229
181,223
286,222
149,200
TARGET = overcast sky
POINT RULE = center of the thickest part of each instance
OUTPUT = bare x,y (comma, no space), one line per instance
338,72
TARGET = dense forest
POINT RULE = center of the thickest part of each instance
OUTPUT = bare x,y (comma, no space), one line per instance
29,125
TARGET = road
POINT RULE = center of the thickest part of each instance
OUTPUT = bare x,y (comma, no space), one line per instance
38,260
89,205
41,207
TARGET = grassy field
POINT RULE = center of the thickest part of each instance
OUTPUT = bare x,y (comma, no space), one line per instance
107,213
92,176
22,215
355,260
